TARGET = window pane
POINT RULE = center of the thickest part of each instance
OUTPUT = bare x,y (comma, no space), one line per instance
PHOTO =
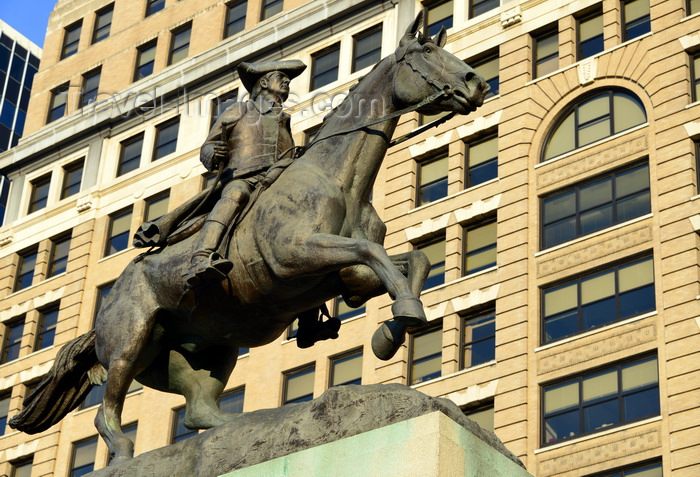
602,415
636,275
641,405
436,254
368,50
596,288
118,238
561,326
59,259
562,140
23,469
49,320
130,155
632,181
300,386
484,417
481,249
72,178
561,397
180,432
439,16
595,194
347,370
480,340
344,312
426,356
156,208
640,374
325,67
560,206
628,112
653,470
558,300
600,385
562,426
166,139
271,7
83,457
103,24
483,151
232,402
25,270
427,344
154,6
480,237
235,18
4,411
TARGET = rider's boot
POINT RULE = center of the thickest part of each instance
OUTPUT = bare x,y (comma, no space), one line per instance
206,263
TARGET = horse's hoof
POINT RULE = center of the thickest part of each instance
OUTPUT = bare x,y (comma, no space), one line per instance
409,311
387,340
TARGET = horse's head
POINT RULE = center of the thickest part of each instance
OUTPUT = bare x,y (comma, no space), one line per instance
425,69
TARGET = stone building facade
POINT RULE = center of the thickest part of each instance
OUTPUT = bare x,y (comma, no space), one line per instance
561,218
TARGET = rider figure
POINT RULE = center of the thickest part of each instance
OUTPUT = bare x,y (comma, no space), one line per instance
247,139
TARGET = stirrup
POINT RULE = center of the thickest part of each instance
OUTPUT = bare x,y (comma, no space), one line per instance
216,268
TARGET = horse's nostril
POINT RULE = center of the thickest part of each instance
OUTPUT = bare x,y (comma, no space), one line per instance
469,77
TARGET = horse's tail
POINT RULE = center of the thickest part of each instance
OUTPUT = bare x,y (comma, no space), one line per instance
64,387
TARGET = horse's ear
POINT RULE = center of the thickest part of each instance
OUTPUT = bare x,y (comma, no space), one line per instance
441,38
412,29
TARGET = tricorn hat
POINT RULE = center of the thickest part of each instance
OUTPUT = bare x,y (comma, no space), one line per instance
250,73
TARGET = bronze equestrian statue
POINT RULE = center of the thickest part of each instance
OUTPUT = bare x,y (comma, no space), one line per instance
311,236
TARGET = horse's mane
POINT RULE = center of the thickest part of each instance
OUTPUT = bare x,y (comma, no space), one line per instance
420,38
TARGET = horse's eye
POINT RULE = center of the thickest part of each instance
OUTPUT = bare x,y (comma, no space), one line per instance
427,50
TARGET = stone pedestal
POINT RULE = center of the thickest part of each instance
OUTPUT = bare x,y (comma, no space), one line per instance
377,430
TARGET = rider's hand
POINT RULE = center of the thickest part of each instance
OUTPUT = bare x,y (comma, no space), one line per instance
220,151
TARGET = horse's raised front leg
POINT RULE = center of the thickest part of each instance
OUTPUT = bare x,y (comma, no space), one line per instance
322,253
361,284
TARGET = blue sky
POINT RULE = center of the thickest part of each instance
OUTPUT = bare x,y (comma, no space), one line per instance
29,17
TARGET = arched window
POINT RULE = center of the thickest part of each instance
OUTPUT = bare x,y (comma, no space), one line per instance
594,118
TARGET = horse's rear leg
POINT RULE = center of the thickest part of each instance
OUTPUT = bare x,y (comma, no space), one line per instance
201,377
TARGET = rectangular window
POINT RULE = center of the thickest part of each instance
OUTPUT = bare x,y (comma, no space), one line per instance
432,178
83,457
154,6
130,157
310,134
232,401
25,269
299,385
59,99
596,300
636,19
223,102
479,7
102,292
235,17
97,392
58,258
481,156
179,431
324,66
487,66
157,206
425,356
435,250
480,250
546,53
344,312
271,8
71,38
647,469
4,411
48,319
72,178
91,84
118,233
590,34
483,415
12,340
693,7
600,400
479,338
166,138
695,76
367,48
596,205
180,44
346,369
438,15
145,59
697,166
103,23
40,193
22,468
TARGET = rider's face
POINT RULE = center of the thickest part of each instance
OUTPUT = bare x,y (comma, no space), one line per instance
278,84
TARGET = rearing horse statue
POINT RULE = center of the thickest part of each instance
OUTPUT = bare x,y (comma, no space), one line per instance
313,235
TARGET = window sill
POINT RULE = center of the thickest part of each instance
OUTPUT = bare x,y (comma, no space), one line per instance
594,234
121,252
455,374
595,331
596,435
457,194
694,103
690,17
55,277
